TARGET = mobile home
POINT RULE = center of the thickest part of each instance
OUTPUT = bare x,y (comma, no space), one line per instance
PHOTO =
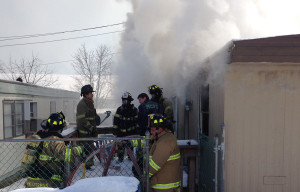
23,106
257,97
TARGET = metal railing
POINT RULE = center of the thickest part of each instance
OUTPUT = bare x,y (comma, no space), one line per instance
105,156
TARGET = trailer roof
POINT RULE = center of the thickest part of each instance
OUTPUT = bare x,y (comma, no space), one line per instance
20,88
277,49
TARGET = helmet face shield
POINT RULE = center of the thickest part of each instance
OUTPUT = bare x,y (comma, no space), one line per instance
44,124
127,96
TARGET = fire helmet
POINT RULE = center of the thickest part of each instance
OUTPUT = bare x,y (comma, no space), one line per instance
158,120
155,90
55,122
127,96
86,89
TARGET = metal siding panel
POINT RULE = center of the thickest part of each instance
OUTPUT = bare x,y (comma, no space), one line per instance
216,107
292,132
254,110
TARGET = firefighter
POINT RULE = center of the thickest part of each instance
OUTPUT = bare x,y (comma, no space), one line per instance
48,168
125,121
164,159
165,106
87,120
146,108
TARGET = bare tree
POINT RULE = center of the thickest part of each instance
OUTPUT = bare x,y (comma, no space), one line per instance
94,68
29,71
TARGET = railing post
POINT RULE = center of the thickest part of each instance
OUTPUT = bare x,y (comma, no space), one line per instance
216,150
147,161
223,158
67,172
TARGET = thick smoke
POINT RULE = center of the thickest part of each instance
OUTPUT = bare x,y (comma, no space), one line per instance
166,42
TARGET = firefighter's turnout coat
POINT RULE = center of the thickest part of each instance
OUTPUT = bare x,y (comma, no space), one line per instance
125,120
167,108
49,167
86,118
164,163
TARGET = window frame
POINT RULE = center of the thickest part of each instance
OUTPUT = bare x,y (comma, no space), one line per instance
14,115
52,107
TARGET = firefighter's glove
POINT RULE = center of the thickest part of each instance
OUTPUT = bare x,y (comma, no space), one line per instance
98,120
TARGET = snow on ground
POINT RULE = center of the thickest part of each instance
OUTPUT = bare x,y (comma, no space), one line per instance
96,184
125,170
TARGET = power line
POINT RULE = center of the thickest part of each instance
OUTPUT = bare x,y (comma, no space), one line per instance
57,62
54,33
50,41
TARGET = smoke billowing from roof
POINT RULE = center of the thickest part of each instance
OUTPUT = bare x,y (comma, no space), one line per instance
166,42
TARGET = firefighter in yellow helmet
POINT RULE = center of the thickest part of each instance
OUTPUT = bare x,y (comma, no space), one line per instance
48,168
164,159
164,105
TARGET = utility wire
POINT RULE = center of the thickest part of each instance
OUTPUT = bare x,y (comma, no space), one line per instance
54,33
50,41
56,62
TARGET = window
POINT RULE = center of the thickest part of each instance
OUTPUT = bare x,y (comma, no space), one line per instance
33,117
205,109
52,107
13,118
33,109
66,108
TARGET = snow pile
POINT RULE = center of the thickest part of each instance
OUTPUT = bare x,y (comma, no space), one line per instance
96,184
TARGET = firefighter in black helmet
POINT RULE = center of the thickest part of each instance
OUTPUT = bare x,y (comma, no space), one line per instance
164,104
125,120
87,120
47,170
86,89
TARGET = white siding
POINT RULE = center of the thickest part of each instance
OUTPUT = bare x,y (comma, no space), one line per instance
43,96
262,119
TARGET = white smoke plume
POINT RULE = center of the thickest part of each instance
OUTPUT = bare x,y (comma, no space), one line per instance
165,42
